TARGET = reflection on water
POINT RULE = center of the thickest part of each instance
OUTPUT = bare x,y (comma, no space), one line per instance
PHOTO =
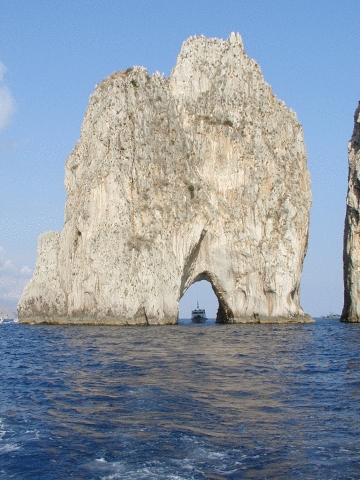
182,402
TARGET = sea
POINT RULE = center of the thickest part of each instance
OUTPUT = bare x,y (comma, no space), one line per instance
190,401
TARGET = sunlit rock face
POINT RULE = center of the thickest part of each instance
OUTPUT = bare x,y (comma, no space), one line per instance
351,310
199,176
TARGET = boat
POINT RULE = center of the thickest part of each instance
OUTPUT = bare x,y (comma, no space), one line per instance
332,316
198,315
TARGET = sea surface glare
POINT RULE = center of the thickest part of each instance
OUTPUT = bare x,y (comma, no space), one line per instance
180,402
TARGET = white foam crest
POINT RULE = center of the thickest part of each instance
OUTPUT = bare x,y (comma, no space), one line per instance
35,432
201,452
213,455
9,447
6,447
2,429
145,473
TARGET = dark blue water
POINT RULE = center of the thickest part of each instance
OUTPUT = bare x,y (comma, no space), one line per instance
180,402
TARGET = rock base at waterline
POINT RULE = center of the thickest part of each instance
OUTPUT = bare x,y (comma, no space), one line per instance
143,322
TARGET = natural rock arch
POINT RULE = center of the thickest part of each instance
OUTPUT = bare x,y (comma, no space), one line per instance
224,313
199,175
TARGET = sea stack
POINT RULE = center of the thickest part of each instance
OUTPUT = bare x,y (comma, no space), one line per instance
351,256
201,175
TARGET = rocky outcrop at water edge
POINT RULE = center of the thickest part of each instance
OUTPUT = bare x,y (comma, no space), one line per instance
351,255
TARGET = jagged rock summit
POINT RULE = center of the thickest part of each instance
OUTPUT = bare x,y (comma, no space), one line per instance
199,176
351,256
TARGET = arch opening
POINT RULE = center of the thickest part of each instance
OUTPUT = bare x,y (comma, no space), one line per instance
203,289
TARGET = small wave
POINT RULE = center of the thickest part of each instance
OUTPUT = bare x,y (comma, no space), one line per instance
9,447
144,474
2,429
6,447
36,434
115,470
217,455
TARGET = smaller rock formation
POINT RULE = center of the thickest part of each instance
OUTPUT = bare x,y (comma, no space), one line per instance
351,310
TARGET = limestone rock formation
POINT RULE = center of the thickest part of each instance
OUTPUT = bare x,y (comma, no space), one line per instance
351,256
199,176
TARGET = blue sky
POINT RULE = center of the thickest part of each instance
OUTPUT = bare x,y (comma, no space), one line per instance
52,54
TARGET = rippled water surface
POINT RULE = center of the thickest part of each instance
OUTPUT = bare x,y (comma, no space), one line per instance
180,402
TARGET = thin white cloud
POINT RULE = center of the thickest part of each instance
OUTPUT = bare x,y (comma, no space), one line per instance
25,270
7,102
7,106
7,266
12,280
2,71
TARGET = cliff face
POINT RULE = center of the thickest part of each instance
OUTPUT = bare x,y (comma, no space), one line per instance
351,256
199,176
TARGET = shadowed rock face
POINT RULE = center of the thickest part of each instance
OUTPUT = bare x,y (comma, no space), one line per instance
351,256
199,176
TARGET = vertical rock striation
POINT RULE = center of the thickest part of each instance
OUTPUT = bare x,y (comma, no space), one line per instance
351,256
199,176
